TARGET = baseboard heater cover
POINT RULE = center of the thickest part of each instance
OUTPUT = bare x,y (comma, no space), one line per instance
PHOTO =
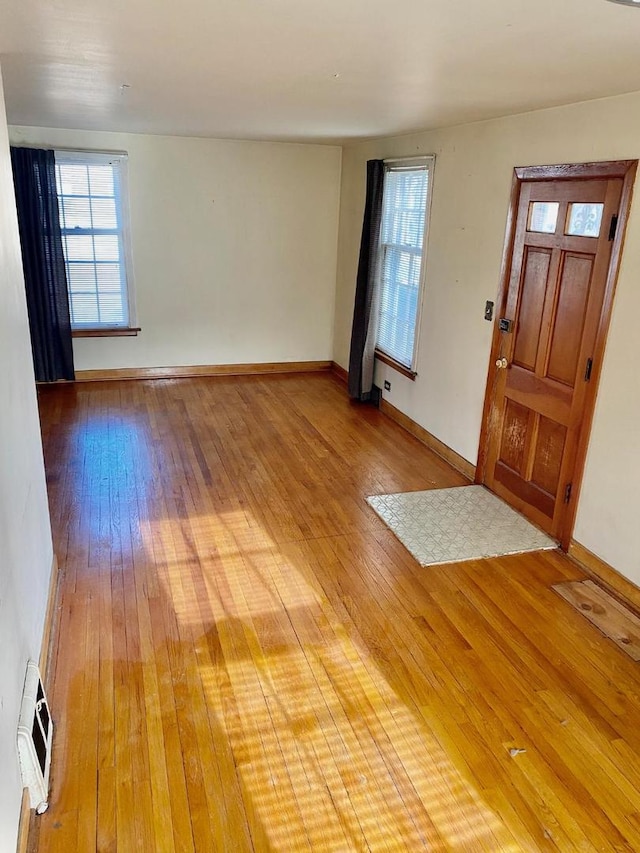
35,736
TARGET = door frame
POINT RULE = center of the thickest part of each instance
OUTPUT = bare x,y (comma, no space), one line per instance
626,170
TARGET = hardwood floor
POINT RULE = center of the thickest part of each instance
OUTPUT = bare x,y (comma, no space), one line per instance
247,659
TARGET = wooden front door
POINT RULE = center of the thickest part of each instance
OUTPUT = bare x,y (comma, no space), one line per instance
558,281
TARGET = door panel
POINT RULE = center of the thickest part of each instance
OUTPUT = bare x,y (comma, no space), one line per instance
569,318
534,287
547,460
556,287
514,436
539,503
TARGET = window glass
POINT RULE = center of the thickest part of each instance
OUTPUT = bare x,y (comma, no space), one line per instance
543,216
585,220
90,200
404,211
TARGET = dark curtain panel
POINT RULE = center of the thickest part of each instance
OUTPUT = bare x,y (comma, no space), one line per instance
34,176
365,311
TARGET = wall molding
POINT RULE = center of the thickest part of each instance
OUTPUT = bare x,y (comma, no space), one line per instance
47,632
190,371
438,447
340,371
25,822
608,577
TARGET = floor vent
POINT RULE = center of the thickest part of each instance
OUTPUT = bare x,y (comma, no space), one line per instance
35,734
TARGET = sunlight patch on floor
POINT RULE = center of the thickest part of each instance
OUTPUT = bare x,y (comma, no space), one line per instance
328,755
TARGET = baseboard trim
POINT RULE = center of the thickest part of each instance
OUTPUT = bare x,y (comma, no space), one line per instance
195,370
25,821
618,585
47,634
439,447
340,372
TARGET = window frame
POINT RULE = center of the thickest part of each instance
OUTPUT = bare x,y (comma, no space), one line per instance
426,162
74,156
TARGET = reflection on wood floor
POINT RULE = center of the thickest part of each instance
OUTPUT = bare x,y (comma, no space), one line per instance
247,659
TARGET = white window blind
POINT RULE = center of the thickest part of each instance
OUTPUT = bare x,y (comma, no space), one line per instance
90,199
404,214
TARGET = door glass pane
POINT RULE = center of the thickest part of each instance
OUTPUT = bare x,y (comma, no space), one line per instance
543,216
584,220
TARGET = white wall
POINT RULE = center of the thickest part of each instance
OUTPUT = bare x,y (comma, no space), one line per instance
25,536
234,249
471,196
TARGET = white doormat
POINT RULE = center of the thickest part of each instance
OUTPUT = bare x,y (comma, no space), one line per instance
451,525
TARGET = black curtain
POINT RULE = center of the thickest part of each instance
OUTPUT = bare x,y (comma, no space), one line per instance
34,177
363,332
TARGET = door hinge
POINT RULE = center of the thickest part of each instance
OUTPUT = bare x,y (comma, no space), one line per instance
588,369
613,227
567,493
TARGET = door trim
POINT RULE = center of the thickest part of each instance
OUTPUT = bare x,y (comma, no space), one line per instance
626,170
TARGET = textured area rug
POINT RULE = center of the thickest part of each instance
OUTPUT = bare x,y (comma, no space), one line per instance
451,525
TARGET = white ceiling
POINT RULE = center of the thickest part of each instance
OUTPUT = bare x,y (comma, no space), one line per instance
326,71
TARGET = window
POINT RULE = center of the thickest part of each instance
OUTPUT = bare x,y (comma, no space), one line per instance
405,205
93,218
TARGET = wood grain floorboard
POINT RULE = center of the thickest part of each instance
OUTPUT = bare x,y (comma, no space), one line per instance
246,659
615,620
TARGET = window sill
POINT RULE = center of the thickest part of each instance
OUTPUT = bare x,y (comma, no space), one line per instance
386,359
105,333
